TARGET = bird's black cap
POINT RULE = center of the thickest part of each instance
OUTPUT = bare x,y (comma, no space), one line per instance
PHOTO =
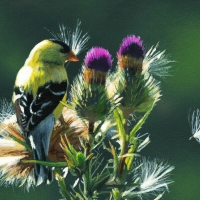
66,48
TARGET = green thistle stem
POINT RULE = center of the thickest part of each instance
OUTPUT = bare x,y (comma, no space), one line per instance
122,170
139,124
86,181
123,163
46,163
87,172
123,141
61,183
133,139
120,126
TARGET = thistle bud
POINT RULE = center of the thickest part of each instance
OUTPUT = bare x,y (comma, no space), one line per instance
97,63
88,93
74,159
130,58
131,53
73,128
139,92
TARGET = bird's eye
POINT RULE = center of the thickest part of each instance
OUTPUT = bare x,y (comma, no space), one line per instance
62,51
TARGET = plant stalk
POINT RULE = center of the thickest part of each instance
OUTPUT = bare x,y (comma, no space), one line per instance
46,163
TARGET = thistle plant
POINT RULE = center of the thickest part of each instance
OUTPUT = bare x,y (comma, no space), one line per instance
97,141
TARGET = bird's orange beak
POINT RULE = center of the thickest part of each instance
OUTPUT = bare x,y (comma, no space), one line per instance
72,57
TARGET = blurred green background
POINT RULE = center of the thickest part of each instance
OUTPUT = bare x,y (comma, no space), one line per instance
174,24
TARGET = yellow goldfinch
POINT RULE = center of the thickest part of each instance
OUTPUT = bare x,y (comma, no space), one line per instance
39,87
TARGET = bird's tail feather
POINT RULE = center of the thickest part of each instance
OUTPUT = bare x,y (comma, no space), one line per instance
41,173
40,139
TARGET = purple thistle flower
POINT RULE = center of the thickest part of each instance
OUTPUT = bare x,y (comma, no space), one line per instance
99,59
132,45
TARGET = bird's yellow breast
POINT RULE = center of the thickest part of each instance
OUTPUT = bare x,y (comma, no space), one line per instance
30,78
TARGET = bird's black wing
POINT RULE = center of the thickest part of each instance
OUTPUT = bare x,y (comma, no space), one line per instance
30,111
